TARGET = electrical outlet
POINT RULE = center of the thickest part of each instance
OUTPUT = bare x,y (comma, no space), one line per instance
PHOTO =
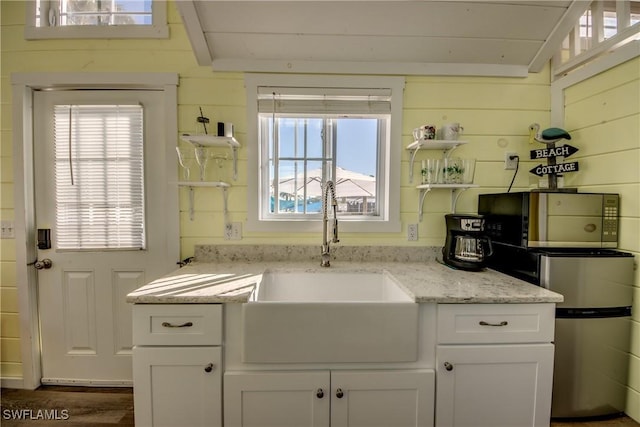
8,230
233,231
412,232
510,160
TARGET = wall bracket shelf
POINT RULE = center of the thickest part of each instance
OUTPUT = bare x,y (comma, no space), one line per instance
430,144
456,191
192,185
447,146
216,141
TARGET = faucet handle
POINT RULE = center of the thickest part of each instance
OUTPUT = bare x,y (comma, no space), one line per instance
335,231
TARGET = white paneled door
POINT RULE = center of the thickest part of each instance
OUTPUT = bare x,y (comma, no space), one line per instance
100,185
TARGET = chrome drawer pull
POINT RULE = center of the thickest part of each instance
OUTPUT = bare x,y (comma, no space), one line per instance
503,323
171,325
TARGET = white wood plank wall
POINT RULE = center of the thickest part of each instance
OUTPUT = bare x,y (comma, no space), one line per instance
602,114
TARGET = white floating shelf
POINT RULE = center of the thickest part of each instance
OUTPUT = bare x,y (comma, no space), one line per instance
210,140
203,184
434,144
430,144
449,186
206,184
216,141
456,190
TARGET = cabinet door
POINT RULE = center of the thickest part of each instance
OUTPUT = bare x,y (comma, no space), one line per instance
494,385
382,398
276,398
177,386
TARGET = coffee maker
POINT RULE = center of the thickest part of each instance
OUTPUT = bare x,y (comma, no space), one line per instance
466,247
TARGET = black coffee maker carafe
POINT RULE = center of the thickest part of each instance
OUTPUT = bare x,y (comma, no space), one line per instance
466,247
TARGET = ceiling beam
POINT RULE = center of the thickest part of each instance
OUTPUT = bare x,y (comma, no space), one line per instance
193,27
364,67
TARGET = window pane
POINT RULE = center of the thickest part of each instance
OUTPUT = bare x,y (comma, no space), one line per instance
296,178
298,187
314,137
635,11
98,12
99,176
357,160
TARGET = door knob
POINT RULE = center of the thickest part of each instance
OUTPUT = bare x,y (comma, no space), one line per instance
339,393
44,264
448,366
320,393
209,367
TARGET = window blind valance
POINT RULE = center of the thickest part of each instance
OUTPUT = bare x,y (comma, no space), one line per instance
301,100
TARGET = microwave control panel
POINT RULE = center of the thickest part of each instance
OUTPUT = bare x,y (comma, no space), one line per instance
610,218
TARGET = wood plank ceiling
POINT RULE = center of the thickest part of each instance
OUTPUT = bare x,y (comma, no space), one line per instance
502,38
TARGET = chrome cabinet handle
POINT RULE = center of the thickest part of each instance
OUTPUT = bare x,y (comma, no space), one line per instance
320,393
503,323
448,366
171,325
209,367
339,393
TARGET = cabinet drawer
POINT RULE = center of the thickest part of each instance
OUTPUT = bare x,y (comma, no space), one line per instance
179,324
495,323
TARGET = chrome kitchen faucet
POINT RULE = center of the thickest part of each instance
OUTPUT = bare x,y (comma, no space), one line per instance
326,256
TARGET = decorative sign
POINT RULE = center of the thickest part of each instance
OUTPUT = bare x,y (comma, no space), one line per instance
541,170
545,153
550,153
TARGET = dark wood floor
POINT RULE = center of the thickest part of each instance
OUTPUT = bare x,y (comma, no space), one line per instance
67,406
108,407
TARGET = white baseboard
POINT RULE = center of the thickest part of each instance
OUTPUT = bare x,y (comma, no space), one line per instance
12,382
86,382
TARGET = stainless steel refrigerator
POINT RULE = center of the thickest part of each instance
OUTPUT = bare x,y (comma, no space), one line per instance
592,335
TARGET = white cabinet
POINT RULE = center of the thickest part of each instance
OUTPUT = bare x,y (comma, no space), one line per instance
382,398
274,398
494,365
177,386
177,365
321,398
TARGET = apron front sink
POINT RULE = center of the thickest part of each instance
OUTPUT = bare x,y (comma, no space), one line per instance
332,317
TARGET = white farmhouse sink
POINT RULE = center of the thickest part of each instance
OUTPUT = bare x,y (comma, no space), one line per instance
329,317
329,288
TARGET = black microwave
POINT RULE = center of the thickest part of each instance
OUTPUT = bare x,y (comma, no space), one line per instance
551,219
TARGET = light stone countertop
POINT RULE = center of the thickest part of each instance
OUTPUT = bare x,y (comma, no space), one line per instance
427,281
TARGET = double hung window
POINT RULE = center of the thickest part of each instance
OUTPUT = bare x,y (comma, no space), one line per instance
309,131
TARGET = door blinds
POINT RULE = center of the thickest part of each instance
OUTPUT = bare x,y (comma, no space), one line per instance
99,177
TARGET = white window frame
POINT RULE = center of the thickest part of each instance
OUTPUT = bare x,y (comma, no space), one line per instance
389,218
159,29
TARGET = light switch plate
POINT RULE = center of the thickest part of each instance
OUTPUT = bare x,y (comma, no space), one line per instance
8,230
